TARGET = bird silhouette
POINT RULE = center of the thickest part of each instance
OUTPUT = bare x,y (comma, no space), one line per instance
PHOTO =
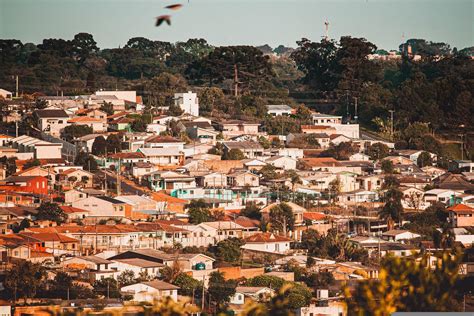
174,6
163,18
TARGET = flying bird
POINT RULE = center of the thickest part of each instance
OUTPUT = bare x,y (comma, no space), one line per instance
163,18
174,6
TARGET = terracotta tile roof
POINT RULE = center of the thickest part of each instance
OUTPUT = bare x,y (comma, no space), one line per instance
122,120
461,208
131,155
49,237
314,216
321,162
162,197
117,115
70,209
265,237
162,139
82,119
87,229
316,127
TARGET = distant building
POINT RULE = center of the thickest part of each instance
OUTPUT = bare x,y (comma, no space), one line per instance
52,121
279,110
130,96
5,94
188,102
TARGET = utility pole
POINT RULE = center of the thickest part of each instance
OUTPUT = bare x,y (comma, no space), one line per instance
326,26
391,123
203,297
118,178
462,146
236,81
355,108
16,79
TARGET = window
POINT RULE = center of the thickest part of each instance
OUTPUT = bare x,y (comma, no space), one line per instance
60,121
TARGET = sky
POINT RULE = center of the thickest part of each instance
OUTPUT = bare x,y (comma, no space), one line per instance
240,22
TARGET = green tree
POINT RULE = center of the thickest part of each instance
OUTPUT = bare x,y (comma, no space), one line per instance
424,159
99,146
24,279
229,249
139,125
51,212
86,161
107,287
233,154
378,151
125,278
220,289
188,285
198,211
387,166
251,210
282,218
268,172
392,208
406,285
114,144
70,132
31,163
10,165
210,98
390,181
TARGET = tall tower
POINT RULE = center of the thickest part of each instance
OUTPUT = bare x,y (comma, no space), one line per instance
326,26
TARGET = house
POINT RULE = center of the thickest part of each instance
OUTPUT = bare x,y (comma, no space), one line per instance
51,121
322,308
298,211
254,164
6,95
318,129
74,213
371,182
279,110
140,169
85,142
202,135
359,157
151,291
267,242
232,128
141,206
461,215
212,180
121,124
138,266
243,179
163,156
163,142
282,162
461,166
249,148
325,119
130,96
413,154
336,139
57,244
169,181
254,293
104,207
220,230
38,148
73,177
188,102
357,196
399,235
97,268
73,195
32,184
97,125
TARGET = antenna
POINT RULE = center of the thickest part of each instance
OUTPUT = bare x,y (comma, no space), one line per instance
326,26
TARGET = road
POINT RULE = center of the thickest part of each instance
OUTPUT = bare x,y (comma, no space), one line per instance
127,186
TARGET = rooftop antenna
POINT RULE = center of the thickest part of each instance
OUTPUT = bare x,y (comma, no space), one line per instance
326,26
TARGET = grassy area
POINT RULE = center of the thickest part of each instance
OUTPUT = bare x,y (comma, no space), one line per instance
452,150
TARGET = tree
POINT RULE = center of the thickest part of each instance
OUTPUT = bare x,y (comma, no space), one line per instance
229,249
86,161
31,163
10,164
392,208
282,218
406,285
125,278
107,107
424,160
220,289
24,279
387,166
233,154
83,45
390,181
170,273
114,144
319,280
198,211
188,285
51,212
334,189
341,151
70,132
210,98
268,172
251,210
378,151
139,125
99,146
107,287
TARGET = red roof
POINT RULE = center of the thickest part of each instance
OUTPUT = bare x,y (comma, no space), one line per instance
71,209
265,237
49,237
461,208
314,216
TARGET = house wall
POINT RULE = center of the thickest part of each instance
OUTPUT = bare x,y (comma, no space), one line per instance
98,207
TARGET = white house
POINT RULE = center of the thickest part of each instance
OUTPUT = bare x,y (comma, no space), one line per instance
188,102
396,235
138,266
130,96
282,162
102,206
267,242
279,110
5,94
255,293
52,121
150,291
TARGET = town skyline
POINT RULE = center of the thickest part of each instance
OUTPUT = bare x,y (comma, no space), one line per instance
440,21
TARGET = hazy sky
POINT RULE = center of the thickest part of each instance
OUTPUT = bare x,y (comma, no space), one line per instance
255,22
